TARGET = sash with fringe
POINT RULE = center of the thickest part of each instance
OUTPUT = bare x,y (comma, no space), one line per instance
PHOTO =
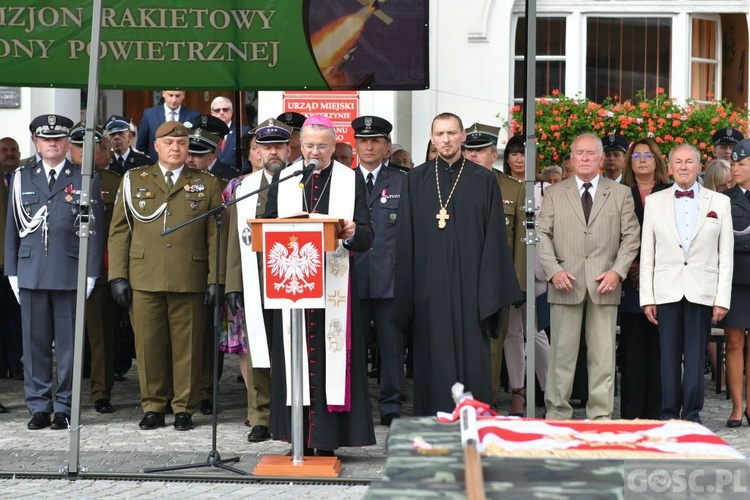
337,318
254,324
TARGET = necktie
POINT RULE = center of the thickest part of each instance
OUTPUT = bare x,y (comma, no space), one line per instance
172,116
587,201
369,183
747,194
170,183
51,179
120,165
680,194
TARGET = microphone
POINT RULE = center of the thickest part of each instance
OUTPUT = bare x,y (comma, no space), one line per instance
307,173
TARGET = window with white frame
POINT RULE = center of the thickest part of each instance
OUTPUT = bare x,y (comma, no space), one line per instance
627,56
704,59
550,58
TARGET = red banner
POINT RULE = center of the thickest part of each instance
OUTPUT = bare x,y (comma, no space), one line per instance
340,107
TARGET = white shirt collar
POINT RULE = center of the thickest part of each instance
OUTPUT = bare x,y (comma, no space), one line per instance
175,173
168,110
57,168
374,173
594,183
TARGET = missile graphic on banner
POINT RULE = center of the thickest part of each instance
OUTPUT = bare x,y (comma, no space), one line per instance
331,70
377,5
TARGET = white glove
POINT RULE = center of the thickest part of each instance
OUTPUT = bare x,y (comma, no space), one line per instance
13,280
90,282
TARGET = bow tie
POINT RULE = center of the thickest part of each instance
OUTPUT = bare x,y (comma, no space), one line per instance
680,194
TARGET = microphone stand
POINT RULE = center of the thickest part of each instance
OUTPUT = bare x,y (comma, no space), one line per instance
214,459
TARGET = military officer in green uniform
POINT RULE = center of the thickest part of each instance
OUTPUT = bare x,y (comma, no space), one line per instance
202,146
100,316
273,139
166,280
481,148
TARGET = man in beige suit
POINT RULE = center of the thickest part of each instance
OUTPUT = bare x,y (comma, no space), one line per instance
589,236
686,278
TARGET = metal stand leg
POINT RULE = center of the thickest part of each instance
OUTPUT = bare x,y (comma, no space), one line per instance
297,435
213,459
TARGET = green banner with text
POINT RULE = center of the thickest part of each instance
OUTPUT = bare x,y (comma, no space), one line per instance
220,44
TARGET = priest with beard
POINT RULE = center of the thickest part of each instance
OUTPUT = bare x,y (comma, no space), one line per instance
339,411
454,272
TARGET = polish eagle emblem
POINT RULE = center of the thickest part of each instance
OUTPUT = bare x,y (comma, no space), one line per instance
293,268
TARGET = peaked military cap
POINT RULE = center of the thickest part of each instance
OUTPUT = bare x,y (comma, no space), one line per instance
615,142
727,135
294,120
118,123
51,126
78,133
480,136
202,142
172,129
272,131
371,126
211,124
741,150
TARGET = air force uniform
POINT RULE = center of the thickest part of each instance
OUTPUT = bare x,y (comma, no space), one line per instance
42,248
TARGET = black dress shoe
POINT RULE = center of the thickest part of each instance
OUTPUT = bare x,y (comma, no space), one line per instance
103,406
151,420
258,434
60,421
733,424
183,421
206,406
3,409
388,418
39,420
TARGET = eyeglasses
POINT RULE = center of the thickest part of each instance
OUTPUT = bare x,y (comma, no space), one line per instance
638,156
320,147
221,110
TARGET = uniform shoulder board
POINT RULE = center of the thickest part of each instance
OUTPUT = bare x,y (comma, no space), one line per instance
142,167
105,171
200,172
503,175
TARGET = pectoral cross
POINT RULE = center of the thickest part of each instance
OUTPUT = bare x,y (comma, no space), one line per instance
442,216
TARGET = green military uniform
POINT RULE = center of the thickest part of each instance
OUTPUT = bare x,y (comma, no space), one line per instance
258,379
514,195
207,370
100,308
168,276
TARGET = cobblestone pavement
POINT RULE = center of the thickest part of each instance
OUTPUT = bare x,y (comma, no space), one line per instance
112,445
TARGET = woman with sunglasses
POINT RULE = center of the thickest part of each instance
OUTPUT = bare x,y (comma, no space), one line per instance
645,173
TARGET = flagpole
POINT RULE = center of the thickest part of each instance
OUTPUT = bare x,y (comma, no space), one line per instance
531,237
87,169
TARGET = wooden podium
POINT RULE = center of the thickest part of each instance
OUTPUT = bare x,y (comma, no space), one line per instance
271,236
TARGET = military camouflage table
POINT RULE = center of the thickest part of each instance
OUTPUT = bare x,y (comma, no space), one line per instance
411,475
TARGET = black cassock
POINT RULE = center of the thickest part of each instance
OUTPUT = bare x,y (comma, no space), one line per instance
323,429
451,283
